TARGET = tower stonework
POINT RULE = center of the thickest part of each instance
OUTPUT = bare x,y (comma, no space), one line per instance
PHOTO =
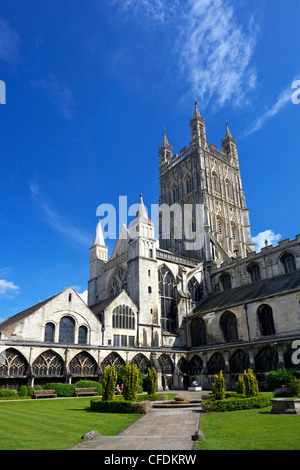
206,181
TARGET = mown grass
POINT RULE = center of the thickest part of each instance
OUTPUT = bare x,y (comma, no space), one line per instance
250,430
54,424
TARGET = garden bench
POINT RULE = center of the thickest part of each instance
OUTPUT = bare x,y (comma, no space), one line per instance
44,393
86,391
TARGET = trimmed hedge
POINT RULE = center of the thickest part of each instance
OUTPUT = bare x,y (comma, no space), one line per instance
122,406
8,394
62,390
89,384
232,404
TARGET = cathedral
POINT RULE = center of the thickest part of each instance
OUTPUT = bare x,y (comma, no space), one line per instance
199,301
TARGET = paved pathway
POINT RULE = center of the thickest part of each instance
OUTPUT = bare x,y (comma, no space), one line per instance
161,429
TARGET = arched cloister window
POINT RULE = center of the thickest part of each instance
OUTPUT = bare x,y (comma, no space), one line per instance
82,335
182,365
166,364
195,365
142,363
289,263
239,362
118,283
83,365
198,332
113,359
48,364
66,330
12,363
188,184
195,289
216,363
168,306
49,332
123,317
228,323
254,271
266,359
266,321
225,281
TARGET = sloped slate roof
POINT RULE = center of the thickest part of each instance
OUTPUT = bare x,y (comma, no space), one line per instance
250,292
25,313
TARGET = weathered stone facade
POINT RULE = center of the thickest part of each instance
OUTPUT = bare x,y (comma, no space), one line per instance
189,310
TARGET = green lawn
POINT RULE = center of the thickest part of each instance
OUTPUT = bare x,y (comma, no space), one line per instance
250,430
54,424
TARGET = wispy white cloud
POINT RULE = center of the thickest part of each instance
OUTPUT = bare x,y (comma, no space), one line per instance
153,10
269,236
282,100
7,288
59,223
215,53
9,43
60,95
211,49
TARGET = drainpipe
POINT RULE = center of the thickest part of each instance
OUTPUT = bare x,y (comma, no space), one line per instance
247,321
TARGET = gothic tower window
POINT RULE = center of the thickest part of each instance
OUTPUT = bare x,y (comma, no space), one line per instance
215,182
188,184
219,225
167,292
66,330
266,321
228,323
254,271
174,193
233,231
228,188
288,261
118,283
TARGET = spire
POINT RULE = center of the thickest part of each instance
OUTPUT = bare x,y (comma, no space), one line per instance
196,111
99,239
165,142
227,133
141,212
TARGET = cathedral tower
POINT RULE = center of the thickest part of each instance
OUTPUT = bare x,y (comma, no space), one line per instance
206,181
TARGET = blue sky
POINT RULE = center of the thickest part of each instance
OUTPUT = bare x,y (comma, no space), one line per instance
90,86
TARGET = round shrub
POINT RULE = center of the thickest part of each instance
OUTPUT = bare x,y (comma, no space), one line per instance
23,391
277,378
